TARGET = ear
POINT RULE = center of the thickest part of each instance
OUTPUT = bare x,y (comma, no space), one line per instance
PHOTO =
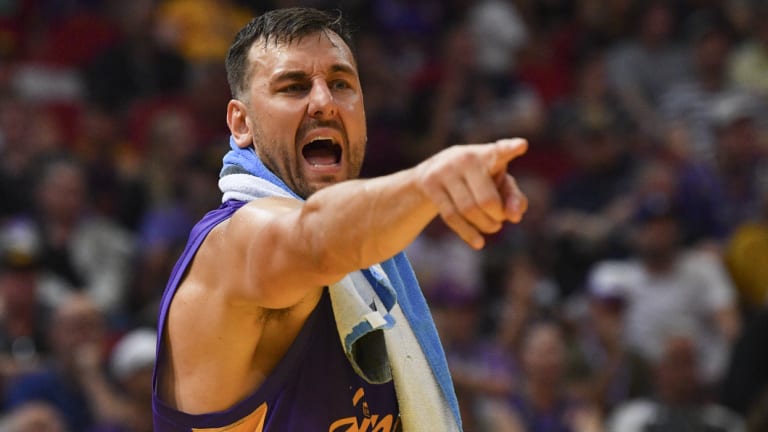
238,123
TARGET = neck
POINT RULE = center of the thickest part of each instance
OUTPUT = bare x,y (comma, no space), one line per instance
711,80
659,263
543,396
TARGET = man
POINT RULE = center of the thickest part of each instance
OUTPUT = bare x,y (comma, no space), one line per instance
255,309
677,403
668,287
74,381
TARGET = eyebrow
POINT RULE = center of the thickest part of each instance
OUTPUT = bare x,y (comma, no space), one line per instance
298,75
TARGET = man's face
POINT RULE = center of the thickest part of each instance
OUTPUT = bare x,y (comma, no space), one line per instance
305,110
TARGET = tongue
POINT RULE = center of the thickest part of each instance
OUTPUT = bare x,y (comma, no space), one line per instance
320,156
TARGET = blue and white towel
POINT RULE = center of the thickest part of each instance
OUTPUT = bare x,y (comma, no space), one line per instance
394,339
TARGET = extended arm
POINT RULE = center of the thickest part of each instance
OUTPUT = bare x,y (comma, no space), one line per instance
286,248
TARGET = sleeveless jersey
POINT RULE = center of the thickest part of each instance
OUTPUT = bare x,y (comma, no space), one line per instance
313,388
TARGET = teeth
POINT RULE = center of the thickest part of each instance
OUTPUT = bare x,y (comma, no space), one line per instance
322,138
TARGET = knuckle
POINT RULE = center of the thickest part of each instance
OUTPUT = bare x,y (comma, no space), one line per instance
428,183
451,217
465,158
466,207
489,203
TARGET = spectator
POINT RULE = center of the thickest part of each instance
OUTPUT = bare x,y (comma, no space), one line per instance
499,33
542,402
698,188
112,167
668,287
742,162
519,267
483,373
643,68
475,106
74,381
678,404
591,204
592,99
17,155
137,65
749,61
34,417
23,317
690,102
528,295
131,363
81,251
616,372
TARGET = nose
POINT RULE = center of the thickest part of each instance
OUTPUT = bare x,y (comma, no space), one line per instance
321,102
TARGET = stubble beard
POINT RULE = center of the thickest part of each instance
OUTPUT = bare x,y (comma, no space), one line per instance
291,171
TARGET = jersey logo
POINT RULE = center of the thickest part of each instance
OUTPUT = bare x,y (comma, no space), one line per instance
368,423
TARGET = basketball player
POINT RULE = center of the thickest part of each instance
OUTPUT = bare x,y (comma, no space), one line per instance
250,321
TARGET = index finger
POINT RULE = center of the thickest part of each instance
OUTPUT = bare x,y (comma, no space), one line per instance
504,150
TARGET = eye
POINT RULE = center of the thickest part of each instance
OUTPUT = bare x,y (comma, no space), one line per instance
340,85
295,88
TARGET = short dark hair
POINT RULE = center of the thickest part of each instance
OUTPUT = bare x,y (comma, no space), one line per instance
279,26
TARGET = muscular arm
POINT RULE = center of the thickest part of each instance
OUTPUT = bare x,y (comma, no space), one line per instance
287,248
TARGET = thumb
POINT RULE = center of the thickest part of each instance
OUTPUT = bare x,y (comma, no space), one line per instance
504,150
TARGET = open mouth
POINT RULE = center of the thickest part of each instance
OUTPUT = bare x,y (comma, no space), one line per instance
322,151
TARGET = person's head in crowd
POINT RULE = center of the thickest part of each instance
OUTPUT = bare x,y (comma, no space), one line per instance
655,179
131,363
34,416
77,332
591,74
656,21
608,308
61,193
656,232
709,36
594,140
543,356
20,256
136,19
734,123
171,136
677,371
171,142
19,264
98,132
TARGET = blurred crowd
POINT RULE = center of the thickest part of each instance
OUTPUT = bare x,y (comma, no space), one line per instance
632,297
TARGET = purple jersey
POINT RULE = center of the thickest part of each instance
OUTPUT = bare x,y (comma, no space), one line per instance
313,388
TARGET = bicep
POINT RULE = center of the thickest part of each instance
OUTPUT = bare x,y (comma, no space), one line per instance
266,255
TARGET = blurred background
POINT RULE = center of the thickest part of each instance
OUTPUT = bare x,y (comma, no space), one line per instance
632,297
